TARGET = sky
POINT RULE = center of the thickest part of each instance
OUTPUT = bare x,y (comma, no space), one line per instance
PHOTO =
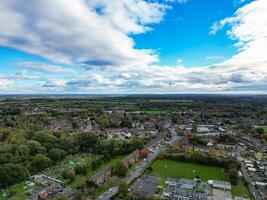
133,46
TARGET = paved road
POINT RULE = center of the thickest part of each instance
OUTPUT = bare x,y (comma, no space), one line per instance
133,175
251,187
136,172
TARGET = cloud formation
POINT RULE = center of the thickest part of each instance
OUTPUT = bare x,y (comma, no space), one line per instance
80,31
44,67
95,37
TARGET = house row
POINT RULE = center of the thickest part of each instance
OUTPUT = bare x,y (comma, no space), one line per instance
106,173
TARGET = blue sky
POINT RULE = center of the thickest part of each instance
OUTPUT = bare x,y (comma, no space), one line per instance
184,33
128,46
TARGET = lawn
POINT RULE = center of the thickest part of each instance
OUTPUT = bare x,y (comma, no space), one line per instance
264,127
240,189
167,168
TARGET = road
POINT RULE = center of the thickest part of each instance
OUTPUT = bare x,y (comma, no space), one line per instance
139,168
255,193
133,175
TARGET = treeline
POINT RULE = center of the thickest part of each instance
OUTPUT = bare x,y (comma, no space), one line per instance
24,154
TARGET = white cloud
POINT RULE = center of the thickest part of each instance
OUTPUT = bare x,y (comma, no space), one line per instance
73,33
215,58
44,67
80,31
5,83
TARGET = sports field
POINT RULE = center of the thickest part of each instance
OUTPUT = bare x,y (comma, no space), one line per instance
167,168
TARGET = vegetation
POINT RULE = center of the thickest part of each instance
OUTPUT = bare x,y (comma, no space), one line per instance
167,168
240,189
120,169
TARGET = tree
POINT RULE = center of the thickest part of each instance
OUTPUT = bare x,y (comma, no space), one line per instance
23,150
143,153
68,174
233,175
87,141
11,174
119,169
80,169
40,162
56,154
126,122
150,169
95,164
260,130
134,144
35,147
264,136
123,189
75,125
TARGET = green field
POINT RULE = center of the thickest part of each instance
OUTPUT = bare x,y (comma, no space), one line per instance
167,168
264,127
240,189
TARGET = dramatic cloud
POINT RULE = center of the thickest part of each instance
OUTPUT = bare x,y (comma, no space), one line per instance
95,36
80,31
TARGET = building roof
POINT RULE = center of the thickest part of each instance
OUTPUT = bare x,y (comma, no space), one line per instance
101,173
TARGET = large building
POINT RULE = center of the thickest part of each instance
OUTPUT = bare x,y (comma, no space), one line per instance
220,184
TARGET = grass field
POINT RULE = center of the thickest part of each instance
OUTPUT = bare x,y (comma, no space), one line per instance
240,189
264,127
167,168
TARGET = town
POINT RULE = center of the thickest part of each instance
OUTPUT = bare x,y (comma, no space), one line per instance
180,147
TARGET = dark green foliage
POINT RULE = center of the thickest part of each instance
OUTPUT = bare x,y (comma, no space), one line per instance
80,169
87,141
123,189
260,130
68,174
196,140
40,162
12,173
119,169
95,164
56,155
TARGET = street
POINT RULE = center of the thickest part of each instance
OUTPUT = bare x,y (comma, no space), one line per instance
251,187
136,172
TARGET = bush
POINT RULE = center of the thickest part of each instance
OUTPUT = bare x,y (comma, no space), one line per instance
40,162
119,169
80,169
11,174
150,169
68,174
